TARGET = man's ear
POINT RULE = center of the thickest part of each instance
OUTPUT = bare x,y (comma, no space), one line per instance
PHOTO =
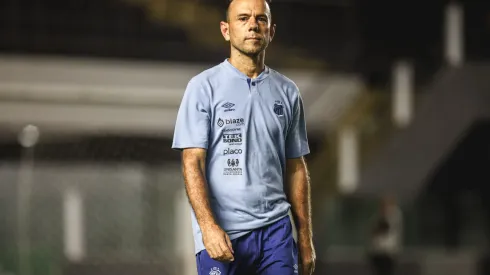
225,30
273,32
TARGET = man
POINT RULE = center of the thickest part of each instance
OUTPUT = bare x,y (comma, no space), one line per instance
386,237
242,131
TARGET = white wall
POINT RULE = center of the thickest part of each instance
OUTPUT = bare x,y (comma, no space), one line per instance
100,96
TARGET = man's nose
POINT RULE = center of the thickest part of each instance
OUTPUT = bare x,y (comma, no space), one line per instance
253,25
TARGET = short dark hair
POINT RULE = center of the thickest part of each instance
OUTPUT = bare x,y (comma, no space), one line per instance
228,2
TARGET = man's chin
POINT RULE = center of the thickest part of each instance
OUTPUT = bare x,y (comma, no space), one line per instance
253,52
250,51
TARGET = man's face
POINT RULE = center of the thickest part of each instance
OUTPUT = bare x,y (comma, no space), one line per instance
249,27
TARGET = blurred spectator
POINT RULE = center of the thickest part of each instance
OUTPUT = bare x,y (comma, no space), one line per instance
385,238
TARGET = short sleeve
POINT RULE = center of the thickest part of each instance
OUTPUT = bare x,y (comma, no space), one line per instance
297,139
193,118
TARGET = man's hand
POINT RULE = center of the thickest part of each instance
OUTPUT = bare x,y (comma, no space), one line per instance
307,255
217,243
298,192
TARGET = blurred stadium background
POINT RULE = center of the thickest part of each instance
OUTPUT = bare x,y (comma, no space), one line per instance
397,95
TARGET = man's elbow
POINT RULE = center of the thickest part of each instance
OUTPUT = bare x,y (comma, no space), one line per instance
194,157
295,165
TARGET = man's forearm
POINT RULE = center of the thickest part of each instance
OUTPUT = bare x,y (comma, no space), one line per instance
197,191
298,193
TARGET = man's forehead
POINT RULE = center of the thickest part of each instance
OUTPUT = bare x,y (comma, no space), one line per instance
249,6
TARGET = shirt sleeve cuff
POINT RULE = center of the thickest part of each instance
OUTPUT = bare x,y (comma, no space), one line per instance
180,147
299,154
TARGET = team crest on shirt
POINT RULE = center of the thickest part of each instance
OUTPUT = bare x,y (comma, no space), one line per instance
214,271
278,108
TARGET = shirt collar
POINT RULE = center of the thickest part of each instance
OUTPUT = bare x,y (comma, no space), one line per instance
229,66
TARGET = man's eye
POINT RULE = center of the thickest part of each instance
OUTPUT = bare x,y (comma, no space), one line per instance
263,20
242,18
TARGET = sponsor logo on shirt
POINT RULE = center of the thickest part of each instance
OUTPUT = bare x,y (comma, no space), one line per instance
232,169
233,162
231,130
278,108
228,106
231,151
221,122
233,138
231,121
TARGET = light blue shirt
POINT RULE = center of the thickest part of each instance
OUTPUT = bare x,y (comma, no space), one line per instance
249,128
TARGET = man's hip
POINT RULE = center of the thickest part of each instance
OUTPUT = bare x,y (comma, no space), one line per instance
265,251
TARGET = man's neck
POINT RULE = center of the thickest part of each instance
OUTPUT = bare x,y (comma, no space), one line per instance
250,66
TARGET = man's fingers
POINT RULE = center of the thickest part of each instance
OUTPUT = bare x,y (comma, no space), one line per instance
227,255
219,246
218,252
224,253
228,242
307,269
211,252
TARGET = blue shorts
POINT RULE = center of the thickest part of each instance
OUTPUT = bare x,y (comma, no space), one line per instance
266,251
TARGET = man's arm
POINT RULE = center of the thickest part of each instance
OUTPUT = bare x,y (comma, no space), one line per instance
216,241
298,193
194,161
